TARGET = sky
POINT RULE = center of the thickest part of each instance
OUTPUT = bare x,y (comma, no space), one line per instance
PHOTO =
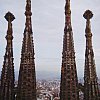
48,22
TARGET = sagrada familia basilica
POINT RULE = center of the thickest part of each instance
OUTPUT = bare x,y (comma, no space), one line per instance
26,88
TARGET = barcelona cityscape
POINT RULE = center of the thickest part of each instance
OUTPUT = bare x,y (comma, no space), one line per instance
49,50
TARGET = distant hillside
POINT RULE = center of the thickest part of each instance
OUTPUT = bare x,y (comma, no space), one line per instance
46,75
42,75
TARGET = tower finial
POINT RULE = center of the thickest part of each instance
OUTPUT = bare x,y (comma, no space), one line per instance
88,14
9,17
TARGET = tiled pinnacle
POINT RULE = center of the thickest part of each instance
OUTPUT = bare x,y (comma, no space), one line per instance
91,90
27,75
7,75
69,80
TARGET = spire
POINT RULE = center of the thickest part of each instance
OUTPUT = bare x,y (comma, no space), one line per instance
91,90
27,76
7,76
69,80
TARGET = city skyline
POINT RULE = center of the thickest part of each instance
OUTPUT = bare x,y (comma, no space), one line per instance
48,23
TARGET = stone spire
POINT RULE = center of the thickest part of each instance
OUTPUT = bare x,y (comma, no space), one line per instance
69,80
91,90
7,76
27,76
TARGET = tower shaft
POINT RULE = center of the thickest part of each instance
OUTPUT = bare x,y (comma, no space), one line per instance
91,90
69,80
7,75
27,76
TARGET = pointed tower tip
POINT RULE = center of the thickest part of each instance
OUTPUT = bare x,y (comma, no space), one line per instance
67,7
28,8
68,2
28,2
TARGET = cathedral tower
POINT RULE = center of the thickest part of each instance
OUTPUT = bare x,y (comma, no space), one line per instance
7,75
69,80
27,76
91,90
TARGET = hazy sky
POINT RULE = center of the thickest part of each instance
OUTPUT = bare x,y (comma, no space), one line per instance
48,28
